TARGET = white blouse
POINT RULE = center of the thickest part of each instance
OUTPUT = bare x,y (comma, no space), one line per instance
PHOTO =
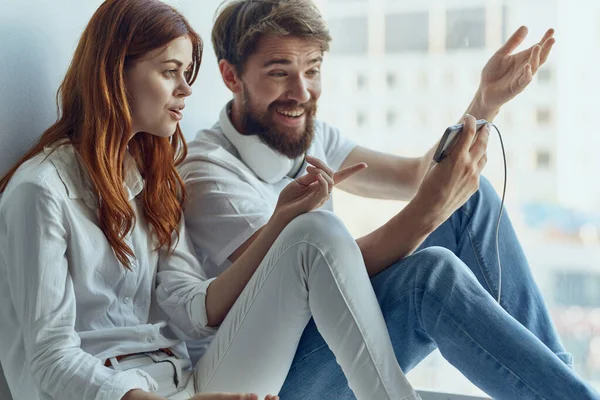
67,304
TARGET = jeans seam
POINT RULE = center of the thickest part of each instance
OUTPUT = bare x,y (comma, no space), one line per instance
476,251
449,317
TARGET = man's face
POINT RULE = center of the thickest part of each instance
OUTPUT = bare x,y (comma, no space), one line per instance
281,84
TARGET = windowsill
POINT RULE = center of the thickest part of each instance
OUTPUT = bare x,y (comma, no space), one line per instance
431,395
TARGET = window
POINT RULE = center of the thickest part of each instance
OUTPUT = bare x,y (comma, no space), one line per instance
361,82
407,33
449,79
361,119
542,159
465,29
423,80
577,289
543,116
544,76
391,80
351,35
391,118
421,77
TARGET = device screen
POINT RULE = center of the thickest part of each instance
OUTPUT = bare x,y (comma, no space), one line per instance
449,140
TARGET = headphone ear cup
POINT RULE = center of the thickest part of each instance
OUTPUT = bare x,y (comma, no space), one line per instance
265,162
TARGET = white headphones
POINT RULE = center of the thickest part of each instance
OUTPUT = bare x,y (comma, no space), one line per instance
266,163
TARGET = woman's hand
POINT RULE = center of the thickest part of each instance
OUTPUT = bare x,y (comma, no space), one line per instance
312,190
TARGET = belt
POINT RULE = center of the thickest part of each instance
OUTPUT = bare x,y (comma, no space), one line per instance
107,363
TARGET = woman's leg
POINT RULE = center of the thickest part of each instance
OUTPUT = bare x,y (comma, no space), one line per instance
314,268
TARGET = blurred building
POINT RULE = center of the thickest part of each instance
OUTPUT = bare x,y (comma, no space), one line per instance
400,71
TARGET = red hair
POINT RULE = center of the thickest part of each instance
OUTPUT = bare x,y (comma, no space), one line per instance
95,117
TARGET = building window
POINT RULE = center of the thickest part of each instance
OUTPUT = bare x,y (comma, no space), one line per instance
544,76
351,35
391,80
391,118
465,29
449,79
577,289
361,82
543,116
361,119
423,80
543,159
407,32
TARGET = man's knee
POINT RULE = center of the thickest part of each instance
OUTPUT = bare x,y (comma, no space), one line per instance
486,190
440,266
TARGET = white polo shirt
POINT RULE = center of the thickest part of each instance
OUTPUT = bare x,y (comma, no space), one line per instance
227,203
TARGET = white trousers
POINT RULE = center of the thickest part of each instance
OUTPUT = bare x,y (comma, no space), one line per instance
314,268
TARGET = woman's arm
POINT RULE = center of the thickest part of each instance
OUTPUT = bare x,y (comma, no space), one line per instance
33,245
197,305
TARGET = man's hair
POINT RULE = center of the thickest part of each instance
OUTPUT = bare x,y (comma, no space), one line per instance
240,24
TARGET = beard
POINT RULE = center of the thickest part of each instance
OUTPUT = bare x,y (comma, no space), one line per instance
260,123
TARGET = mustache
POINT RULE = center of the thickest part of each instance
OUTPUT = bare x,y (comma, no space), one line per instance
309,105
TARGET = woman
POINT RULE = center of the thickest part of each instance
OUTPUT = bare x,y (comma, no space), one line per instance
97,277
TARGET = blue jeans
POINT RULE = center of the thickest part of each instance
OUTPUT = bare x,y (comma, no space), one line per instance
444,296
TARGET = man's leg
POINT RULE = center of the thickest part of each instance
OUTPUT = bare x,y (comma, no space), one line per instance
431,298
470,233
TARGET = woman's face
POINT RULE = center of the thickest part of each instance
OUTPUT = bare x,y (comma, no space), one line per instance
157,88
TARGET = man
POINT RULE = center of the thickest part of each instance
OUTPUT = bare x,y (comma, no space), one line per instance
270,54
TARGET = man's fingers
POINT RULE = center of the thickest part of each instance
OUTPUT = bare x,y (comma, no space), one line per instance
549,33
465,139
534,59
546,47
306,179
482,162
514,41
347,172
323,186
480,144
311,176
526,77
317,171
319,164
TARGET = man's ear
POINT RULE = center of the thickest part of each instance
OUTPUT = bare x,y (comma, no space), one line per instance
230,76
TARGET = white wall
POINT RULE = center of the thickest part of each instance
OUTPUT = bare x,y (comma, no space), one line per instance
37,40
